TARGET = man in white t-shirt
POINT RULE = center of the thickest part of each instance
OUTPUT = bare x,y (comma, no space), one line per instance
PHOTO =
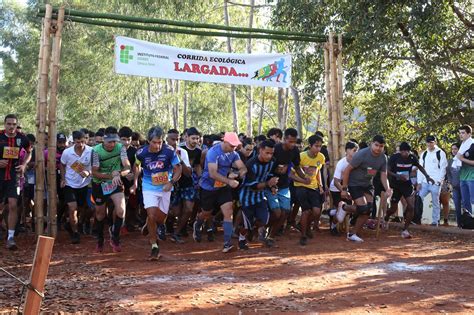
75,172
336,186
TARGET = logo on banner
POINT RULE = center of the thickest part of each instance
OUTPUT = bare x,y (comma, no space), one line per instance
125,55
271,71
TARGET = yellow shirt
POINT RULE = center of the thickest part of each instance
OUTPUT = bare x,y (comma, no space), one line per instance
312,168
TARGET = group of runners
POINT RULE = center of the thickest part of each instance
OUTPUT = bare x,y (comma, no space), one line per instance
254,187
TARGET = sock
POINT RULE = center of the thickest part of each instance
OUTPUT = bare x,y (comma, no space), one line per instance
11,234
261,231
154,245
241,237
117,225
100,229
333,225
199,223
332,212
227,225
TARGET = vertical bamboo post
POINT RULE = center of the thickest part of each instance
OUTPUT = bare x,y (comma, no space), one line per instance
334,98
43,252
40,62
52,129
328,102
340,75
40,132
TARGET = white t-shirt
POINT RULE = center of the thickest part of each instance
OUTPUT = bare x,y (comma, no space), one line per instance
75,164
183,154
340,167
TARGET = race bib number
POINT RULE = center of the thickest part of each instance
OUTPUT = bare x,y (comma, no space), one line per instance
160,178
11,152
404,173
218,184
108,188
78,167
371,172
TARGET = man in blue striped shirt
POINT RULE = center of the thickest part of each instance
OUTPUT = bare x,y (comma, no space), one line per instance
252,197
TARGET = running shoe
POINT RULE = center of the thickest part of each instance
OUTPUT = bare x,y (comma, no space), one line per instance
210,235
243,245
262,232
116,248
11,244
197,232
270,242
354,238
161,232
100,246
406,234
309,233
341,213
334,231
75,238
227,248
303,241
155,253
175,238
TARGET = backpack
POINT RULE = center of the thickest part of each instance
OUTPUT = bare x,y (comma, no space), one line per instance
438,156
467,221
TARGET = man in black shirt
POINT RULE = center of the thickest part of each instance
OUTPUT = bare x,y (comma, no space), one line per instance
399,168
131,213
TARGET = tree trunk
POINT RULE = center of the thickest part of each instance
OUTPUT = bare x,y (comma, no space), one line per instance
148,90
281,106
235,121
296,101
262,110
185,106
249,90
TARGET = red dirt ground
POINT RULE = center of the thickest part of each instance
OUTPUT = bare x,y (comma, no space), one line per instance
432,272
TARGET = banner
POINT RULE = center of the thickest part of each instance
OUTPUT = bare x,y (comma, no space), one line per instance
141,58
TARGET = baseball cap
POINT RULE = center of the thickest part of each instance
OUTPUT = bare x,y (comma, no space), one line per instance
232,138
430,139
111,137
61,137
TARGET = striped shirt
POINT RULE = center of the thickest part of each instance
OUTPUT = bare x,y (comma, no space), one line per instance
257,172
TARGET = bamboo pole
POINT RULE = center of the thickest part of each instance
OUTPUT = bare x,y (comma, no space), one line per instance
334,93
52,191
40,62
40,132
328,102
44,249
340,103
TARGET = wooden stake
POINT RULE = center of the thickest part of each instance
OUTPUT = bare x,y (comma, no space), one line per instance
44,249
340,104
52,191
330,112
40,132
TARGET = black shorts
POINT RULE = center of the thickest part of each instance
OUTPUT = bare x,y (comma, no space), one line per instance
400,191
99,197
212,199
308,198
8,189
359,191
78,195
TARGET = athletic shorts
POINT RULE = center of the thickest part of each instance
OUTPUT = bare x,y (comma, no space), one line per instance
185,194
157,199
400,191
282,200
8,189
359,191
98,195
258,212
214,199
308,198
78,195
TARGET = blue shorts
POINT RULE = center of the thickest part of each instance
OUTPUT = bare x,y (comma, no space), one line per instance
258,212
183,194
282,200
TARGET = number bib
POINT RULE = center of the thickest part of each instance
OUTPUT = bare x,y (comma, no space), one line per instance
78,167
218,184
160,178
108,188
11,152
371,172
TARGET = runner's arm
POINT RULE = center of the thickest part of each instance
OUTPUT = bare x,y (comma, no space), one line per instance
241,167
423,171
125,163
345,177
215,175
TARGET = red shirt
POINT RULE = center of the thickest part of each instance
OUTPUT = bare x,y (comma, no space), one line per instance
10,148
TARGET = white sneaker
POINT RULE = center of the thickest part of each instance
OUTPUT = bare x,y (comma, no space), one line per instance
341,213
354,238
406,234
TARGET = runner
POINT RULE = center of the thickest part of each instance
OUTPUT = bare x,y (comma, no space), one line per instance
275,134
309,195
109,164
286,153
75,171
216,185
252,196
131,211
357,182
161,170
11,142
399,167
